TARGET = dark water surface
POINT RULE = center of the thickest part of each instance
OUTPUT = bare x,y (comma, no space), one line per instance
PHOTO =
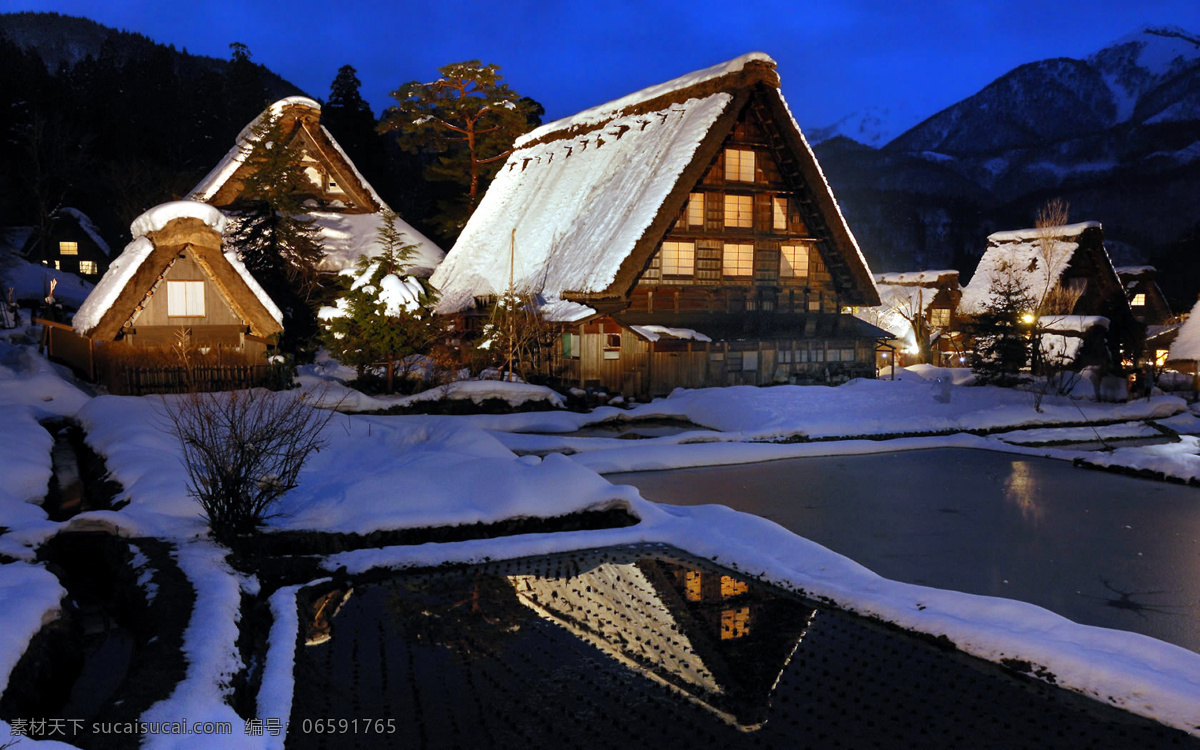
1099,548
646,647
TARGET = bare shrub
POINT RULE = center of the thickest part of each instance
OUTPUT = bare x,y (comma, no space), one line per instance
243,451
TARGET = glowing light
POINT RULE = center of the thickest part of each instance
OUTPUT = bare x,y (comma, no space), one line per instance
1027,318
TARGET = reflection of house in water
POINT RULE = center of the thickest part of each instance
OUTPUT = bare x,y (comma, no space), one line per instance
716,639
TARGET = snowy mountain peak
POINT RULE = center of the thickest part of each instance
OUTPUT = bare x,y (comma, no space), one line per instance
1138,62
873,126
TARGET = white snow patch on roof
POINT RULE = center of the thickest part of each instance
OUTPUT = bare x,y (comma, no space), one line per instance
606,111
159,216
1072,323
119,272
914,278
578,206
1187,342
254,286
564,311
1034,234
654,333
1020,254
345,237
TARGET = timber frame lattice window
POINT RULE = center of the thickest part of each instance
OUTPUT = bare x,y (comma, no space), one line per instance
678,258
1139,300
739,211
793,261
939,317
88,267
739,165
185,299
695,210
68,248
737,259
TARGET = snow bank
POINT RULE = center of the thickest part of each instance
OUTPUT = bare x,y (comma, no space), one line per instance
31,281
32,598
28,379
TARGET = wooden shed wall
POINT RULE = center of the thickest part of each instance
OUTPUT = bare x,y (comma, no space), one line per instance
217,310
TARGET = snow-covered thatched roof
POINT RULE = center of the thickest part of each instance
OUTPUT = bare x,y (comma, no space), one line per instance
583,202
1187,342
346,234
1021,253
158,236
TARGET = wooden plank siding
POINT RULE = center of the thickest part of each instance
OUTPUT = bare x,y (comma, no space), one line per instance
217,309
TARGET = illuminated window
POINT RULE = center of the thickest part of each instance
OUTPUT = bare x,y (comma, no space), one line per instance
185,298
68,248
678,258
739,165
695,210
58,265
735,623
1160,357
939,317
1139,300
731,586
738,260
87,267
793,261
780,209
692,586
612,346
739,211
814,304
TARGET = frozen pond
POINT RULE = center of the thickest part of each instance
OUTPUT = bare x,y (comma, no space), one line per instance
1099,548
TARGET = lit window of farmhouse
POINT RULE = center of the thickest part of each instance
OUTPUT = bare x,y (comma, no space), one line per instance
793,261
739,211
738,260
1160,357
695,210
735,623
1139,300
87,267
779,206
678,258
68,248
739,165
939,317
185,299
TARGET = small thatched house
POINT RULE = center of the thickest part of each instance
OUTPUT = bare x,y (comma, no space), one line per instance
71,244
175,276
343,204
919,309
1071,283
688,234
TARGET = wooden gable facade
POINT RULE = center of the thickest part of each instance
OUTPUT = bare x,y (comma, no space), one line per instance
1146,301
742,273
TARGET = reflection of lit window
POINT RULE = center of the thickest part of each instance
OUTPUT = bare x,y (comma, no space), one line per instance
1160,357
87,267
739,211
731,586
185,298
692,586
695,210
739,165
738,260
68,248
939,317
678,258
1139,300
735,623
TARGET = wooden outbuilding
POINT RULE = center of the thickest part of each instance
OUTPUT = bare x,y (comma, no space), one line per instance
71,243
689,229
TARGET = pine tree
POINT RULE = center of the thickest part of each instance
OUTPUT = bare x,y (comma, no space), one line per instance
1003,330
382,317
349,118
467,119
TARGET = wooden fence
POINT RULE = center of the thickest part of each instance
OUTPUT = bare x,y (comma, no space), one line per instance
138,381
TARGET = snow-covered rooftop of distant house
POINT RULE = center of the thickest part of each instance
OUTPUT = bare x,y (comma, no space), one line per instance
564,311
1072,323
348,236
654,333
1135,270
121,270
578,205
1187,342
1019,252
85,223
900,303
913,278
606,111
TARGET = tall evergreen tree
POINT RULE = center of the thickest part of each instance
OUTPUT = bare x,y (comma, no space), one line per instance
467,119
349,118
1003,331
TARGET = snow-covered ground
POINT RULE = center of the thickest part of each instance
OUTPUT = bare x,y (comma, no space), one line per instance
390,472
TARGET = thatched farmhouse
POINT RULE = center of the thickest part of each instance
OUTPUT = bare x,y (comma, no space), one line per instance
1077,302
683,235
70,243
343,204
919,308
173,289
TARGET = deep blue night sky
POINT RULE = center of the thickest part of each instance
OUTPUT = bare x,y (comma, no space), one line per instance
834,57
